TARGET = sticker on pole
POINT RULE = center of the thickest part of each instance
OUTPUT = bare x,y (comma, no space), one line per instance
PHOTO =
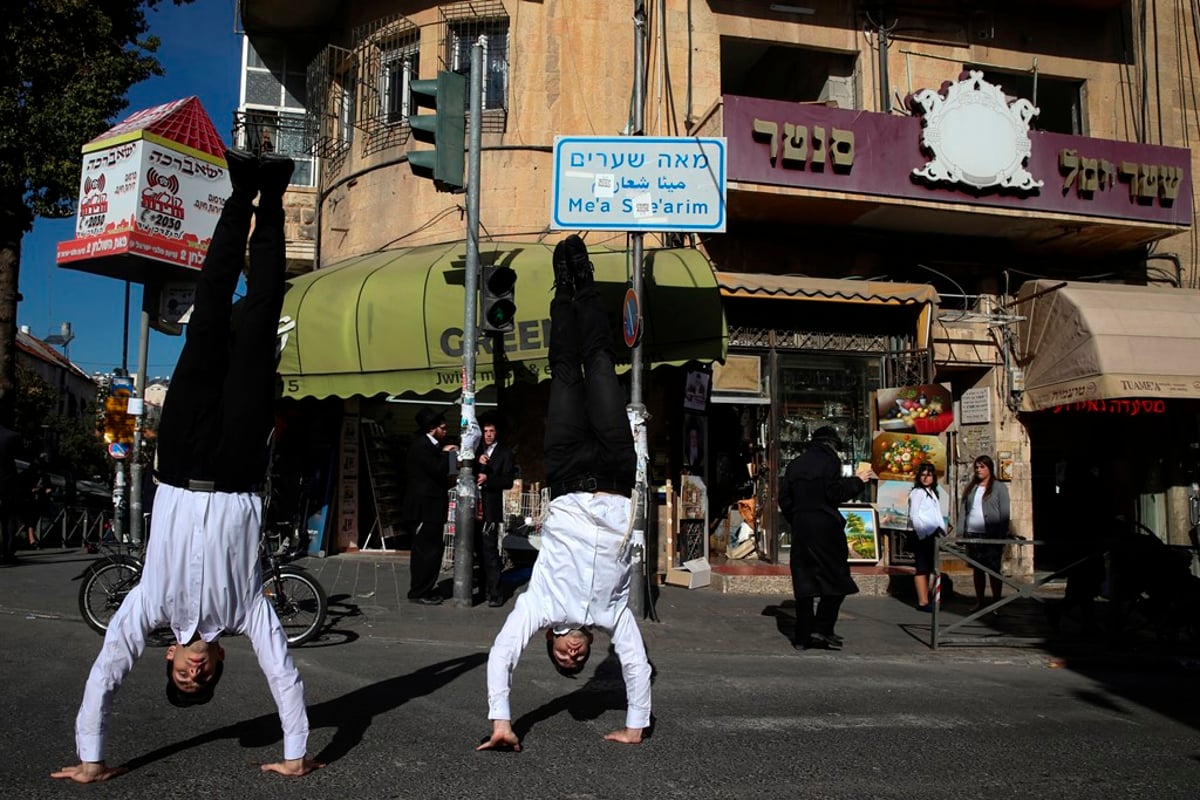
631,319
118,450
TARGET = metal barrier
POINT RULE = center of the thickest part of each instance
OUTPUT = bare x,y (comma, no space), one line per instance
81,524
937,634
530,508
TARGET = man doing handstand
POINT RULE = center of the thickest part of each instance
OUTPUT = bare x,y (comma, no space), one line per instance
202,574
581,578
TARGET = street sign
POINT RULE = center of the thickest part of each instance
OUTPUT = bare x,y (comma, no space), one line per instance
631,319
633,183
118,450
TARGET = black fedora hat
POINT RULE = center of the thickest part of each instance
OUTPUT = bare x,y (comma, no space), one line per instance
428,419
828,434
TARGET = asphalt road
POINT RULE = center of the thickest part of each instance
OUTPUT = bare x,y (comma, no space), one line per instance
397,710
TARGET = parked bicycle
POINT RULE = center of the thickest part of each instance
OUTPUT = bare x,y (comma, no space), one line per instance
298,598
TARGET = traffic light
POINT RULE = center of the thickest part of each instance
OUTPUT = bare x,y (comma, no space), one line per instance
445,129
118,424
496,304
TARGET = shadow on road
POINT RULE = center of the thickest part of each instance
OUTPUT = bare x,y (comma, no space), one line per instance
349,715
604,691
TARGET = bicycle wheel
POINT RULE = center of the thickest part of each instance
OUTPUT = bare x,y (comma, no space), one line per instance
299,602
104,587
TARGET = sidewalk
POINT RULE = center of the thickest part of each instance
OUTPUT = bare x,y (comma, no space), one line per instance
367,594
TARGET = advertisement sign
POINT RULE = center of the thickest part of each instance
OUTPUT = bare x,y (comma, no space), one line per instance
630,183
147,198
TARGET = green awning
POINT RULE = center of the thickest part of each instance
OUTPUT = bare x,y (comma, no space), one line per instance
391,322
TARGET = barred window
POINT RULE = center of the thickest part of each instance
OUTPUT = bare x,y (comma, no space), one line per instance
398,69
495,58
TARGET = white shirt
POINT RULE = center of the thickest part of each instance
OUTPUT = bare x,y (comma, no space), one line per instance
579,579
925,511
202,574
975,520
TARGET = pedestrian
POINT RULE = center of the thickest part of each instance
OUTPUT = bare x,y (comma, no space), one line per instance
495,470
37,491
925,517
427,504
202,574
986,510
581,579
809,495
10,443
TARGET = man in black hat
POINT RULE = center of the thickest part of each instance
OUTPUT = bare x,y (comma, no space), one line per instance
809,495
427,503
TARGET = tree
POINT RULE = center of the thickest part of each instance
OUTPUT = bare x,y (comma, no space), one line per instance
73,444
65,66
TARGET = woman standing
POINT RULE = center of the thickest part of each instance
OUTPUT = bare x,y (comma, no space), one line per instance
925,516
985,508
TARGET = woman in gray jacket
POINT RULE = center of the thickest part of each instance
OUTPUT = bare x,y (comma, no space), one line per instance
985,511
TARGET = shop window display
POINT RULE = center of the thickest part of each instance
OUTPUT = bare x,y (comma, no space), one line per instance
816,391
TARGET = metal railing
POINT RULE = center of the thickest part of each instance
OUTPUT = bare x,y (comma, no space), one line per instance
269,131
72,526
1025,589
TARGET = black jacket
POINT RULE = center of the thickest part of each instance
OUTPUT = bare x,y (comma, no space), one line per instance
809,495
426,493
501,469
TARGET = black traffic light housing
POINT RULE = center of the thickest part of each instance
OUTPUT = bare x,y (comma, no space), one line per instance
496,304
445,129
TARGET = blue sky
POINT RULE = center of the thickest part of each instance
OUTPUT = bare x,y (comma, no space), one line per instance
201,55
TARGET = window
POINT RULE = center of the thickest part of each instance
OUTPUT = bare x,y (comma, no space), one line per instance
272,116
495,59
398,69
1060,100
773,71
271,79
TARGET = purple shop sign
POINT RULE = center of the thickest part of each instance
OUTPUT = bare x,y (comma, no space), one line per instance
870,153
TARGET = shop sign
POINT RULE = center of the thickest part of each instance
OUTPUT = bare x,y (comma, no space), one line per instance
1122,407
631,183
814,147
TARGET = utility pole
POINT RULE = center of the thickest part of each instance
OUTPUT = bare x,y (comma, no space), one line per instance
150,295
637,409
464,508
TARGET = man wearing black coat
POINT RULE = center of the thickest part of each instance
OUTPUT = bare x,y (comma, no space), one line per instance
427,504
809,495
495,469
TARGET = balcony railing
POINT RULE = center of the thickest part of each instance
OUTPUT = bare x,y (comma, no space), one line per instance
266,131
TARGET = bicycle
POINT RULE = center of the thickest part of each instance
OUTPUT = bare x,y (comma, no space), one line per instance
298,598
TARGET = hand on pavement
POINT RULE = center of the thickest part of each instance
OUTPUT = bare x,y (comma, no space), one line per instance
89,772
293,767
502,738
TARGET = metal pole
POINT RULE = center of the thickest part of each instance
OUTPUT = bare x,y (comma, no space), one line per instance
637,409
464,509
885,103
136,520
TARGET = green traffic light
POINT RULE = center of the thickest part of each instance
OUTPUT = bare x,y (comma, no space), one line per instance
500,313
